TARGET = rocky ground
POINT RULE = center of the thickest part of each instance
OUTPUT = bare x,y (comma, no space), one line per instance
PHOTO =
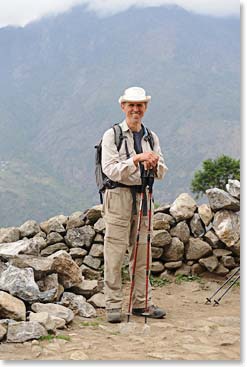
190,331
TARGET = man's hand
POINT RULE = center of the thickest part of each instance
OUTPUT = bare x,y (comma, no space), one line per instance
149,159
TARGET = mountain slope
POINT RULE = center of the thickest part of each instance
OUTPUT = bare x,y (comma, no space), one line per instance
62,77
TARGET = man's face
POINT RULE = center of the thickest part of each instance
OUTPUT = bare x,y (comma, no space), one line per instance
134,111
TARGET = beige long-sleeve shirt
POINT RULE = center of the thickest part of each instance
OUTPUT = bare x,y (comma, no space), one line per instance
121,169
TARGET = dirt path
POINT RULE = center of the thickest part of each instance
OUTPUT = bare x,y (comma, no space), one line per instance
190,331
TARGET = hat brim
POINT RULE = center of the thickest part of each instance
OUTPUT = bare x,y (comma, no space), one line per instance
122,99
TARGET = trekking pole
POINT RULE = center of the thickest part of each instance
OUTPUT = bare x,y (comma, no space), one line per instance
208,299
217,301
150,194
136,245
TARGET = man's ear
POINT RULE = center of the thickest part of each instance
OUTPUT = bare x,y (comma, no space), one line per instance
122,105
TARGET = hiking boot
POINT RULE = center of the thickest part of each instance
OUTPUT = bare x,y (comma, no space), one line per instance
152,312
114,315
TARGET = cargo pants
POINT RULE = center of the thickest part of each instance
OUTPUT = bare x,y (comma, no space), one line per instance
120,236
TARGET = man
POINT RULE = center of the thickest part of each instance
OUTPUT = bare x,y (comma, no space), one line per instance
125,167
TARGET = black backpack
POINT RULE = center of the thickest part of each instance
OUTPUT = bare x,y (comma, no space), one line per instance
102,181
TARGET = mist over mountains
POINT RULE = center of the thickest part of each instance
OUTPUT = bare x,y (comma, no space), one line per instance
61,79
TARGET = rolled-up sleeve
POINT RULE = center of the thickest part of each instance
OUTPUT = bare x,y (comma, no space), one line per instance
117,170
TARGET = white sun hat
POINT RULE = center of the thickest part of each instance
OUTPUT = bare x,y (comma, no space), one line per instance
134,94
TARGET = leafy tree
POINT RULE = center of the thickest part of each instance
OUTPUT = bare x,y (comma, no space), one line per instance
215,173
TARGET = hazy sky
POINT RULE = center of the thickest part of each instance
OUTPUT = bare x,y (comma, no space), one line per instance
21,12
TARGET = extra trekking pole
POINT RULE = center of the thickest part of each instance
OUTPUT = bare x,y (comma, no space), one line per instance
144,184
208,299
150,175
217,301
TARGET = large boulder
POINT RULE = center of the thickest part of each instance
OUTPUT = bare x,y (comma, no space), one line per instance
196,249
182,231
220,199
80,237
227,227
68,271
161,238
9,234
54,310
21,283
183,207
205,213
19,332
30,246
29,229
174,251
233,187
12,307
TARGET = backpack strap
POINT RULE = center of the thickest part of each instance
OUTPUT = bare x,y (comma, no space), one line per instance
119,137
149,137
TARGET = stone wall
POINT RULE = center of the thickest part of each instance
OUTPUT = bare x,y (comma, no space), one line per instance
53,270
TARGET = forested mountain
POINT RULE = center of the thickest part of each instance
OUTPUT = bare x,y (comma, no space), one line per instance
61,78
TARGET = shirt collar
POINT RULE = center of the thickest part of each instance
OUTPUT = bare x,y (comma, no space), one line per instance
125,128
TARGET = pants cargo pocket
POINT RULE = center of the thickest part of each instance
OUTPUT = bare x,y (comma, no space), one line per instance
117,230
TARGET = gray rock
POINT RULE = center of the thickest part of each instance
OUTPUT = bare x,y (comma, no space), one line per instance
196,226
75,220
94,214
183,270
86,288
68,271
20,283
44,319
197,269
50,282
54,310
99,238
78,304
29,229
77,252
183,207
228,262
227,227
205,213
80,237
55,224
173,265
211,238
51,249
41,265
219,252
12,307
9,234
99,226
157,267
89,273
161,238
196,249
174,251
220,199
162,221
97,250
97,300
221,270
26,246
92,262
22,331
53,237
210,263
233,187
164,208
156,252
182,231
